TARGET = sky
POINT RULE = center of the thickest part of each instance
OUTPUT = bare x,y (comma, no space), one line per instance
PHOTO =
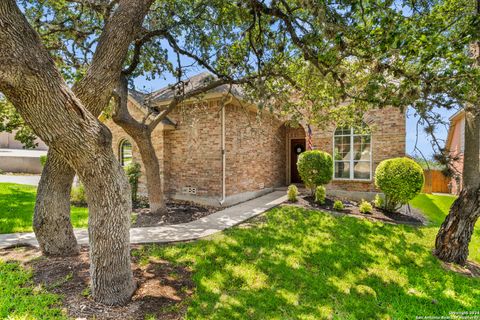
423,143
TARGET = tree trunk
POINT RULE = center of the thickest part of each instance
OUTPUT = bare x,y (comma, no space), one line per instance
30,80
152,173
454,236
51,220
141,133
52,208
456,231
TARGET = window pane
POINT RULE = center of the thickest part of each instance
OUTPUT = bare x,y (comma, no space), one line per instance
361,129
342,131
342,169
361,147
342,148
361,170
126,153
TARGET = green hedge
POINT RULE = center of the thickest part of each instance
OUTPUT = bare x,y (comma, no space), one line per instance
400,179
315,168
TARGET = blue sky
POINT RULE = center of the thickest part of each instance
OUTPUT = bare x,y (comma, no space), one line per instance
424,141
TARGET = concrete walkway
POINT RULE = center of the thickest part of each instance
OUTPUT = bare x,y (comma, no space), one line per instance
32,180
200,228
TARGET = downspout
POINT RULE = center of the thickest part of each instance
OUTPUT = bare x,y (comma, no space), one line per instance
224,153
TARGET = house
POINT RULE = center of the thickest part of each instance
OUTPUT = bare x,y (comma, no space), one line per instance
220,150
455,144
14,158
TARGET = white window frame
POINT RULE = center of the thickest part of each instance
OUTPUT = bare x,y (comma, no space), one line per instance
351,161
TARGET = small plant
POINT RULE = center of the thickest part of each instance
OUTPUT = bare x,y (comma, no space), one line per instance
379,202
1,171
400,179
133,171
292,193
43,160
86,292
365,207
133,218
315,168
338,205
77,196
320,194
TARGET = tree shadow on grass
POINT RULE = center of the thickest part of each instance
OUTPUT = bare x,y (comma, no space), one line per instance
306,264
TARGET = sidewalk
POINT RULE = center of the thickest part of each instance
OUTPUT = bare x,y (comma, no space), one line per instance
200,228
20,179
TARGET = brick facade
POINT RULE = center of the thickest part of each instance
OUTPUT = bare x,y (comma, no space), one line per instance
387,138
257,147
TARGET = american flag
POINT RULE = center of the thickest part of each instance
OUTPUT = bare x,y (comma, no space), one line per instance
309,138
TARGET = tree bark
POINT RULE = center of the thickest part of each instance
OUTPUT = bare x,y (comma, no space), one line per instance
156,198
52,224
30,80
453,238
51,221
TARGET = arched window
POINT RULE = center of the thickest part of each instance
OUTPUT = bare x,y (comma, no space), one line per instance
125,152
352,150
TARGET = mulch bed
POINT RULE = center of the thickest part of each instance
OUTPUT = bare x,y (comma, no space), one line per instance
414,217
177,212
163,289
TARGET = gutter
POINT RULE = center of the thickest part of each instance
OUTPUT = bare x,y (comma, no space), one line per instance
224,153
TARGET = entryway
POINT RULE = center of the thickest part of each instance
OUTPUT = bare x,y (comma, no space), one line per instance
297,146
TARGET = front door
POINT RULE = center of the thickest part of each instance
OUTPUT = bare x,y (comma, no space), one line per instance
297,146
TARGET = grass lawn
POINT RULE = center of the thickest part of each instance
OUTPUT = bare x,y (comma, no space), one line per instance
16,209
435,208
295,263
19,299
302,264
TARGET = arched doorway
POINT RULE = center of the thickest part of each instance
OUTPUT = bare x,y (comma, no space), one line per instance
295,145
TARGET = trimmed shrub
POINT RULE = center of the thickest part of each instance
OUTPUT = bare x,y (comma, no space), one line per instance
315,168
292,193
77,195
320,194
338,205
133,171
400,179
43,160
365,207
379,202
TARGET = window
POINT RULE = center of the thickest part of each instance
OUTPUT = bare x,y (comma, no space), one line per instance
352,153
125,152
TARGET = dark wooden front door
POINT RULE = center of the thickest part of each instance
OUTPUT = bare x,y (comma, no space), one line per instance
297,146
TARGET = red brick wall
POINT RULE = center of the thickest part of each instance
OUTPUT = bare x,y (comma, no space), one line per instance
255,150
193,150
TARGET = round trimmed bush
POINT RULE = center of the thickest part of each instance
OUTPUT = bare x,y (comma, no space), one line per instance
315,168
400,179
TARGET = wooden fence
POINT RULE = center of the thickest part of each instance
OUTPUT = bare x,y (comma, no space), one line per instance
435,181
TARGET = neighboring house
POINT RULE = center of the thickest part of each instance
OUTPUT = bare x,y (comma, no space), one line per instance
223,155
13,158
7,141
456,145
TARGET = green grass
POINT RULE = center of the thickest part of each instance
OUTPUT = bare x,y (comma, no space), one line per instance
20,299
299,264
303,264
435,208
16,209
